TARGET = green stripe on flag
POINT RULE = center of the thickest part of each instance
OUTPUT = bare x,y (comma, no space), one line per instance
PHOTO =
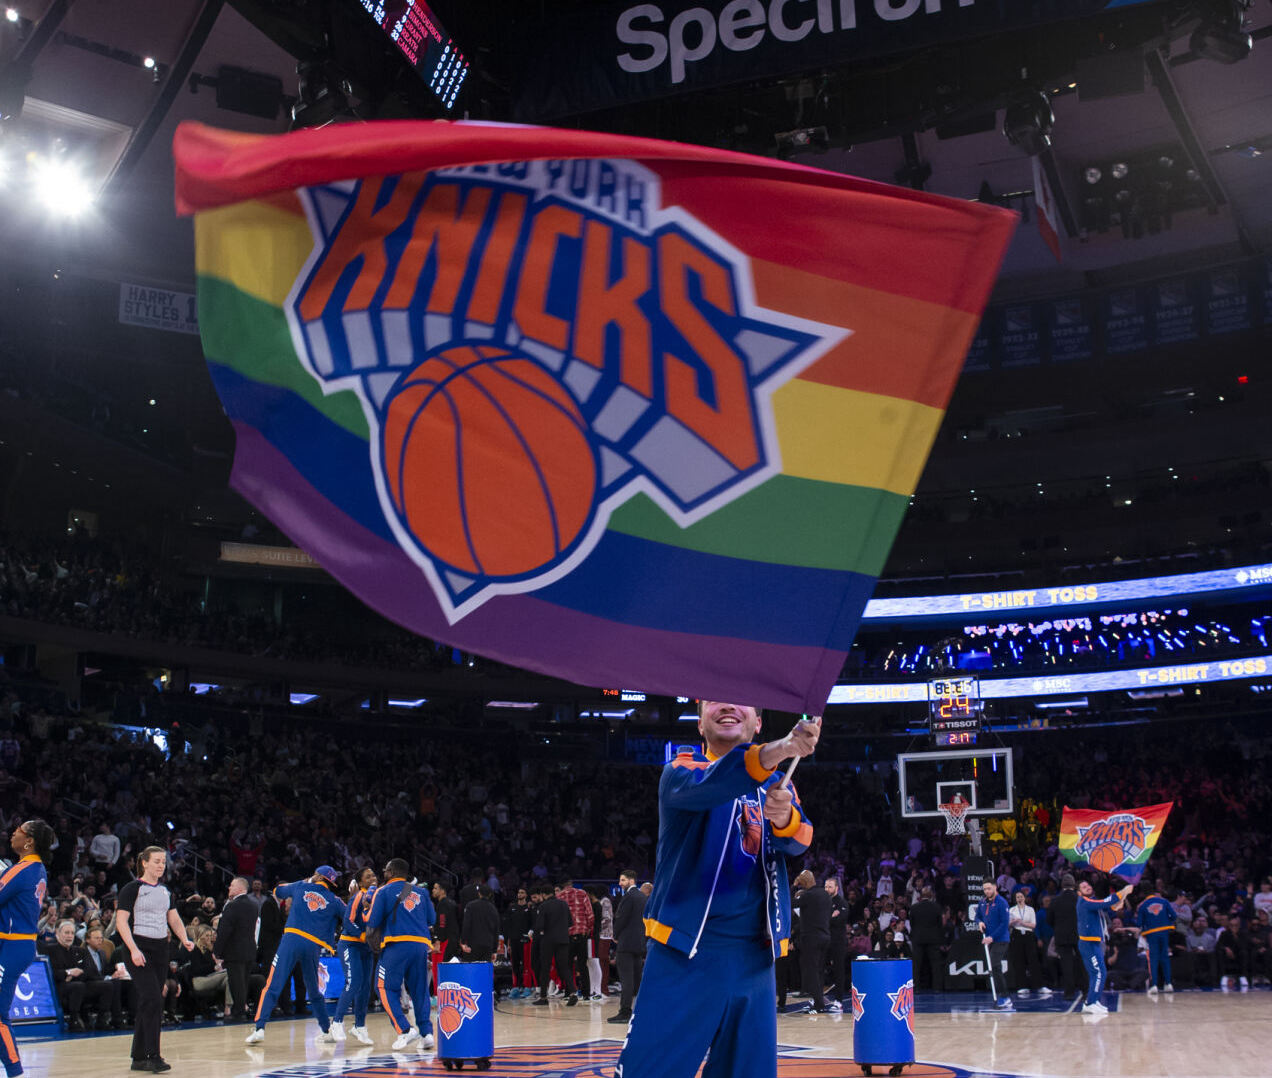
252,337
788,521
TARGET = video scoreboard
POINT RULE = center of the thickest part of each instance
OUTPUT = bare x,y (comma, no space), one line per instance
421,38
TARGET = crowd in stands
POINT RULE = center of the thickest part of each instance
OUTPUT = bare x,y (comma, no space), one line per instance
271,806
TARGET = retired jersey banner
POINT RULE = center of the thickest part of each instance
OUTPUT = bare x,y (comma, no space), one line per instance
616,410
1116,841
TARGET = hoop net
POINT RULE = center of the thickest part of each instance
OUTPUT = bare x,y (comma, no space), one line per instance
955,813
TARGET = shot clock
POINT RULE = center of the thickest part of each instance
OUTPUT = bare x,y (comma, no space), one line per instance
954,710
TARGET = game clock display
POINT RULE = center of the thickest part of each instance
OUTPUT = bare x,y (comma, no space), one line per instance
954,739
412,26
954,704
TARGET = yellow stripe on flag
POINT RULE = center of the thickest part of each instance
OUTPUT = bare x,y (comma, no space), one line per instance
228,246
846,436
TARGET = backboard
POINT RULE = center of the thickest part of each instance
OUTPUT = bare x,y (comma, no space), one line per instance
982,776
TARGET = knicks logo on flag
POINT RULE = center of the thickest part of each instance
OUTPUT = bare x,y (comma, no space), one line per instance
411,900
315,901
1115,839
858,1005
534,344
456,1003
903,1004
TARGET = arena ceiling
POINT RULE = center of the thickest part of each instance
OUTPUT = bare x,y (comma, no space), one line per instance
81,66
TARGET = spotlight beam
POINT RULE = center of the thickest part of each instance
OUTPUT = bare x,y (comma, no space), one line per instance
1197,156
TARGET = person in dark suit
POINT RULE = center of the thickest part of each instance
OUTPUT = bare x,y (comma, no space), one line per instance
66,960
629,942
447,922
103,986
813,904
270,936
479,935
1064,920
552,926
838,939
236,945
926,934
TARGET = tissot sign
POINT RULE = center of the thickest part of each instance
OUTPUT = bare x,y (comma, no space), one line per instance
612,54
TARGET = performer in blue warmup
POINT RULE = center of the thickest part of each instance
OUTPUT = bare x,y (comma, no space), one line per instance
313,922
1092,931
356,960
994,919
22,889
719,914
403,913
1156,919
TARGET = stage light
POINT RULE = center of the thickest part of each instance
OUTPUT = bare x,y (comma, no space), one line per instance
1093,175
12,14
1027,123
1119,170
61,188
148,63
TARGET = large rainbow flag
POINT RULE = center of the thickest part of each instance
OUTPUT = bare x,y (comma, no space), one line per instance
625,412
1115,841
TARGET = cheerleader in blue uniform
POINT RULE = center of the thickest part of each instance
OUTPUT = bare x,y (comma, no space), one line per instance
22,890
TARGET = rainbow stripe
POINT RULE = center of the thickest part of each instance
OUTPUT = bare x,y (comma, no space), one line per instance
1136,829
760,600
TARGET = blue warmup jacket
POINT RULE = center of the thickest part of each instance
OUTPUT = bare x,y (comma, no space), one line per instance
354,929
413,920
995,918
22,889
316,913
697,808
1155,914
1091,923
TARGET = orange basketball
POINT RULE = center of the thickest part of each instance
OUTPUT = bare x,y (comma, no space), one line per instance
449,1019
488,461
1106,857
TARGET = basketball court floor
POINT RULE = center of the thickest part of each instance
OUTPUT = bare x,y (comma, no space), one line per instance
1187,1035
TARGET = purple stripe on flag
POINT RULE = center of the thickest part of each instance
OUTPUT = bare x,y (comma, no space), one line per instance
524,630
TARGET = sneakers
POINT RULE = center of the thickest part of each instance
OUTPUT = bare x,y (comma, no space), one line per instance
540,1002
1152,989
328,1036
1169,988
573,1001
337,1031
1023,993
360,1034
426,1041
407,1039
835,1007
596,997
1094,1008
1005,1004
1045,992
1245,982
620,1019
255,1037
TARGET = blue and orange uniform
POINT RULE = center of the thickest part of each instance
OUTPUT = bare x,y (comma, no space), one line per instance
1156,919
1092,931
22,889
718,918
313,922
355,959
406,928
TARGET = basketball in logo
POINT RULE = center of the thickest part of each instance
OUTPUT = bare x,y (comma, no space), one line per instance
488,462
1106,856
449,1019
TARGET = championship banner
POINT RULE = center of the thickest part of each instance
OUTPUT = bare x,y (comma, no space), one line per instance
616,410
1118,842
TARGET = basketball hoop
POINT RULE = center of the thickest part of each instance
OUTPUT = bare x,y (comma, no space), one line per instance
955,813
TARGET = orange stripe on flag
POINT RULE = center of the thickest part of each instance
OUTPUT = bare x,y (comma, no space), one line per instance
900,347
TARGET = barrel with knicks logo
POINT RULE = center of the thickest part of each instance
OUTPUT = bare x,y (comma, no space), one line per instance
883,1010
465,1011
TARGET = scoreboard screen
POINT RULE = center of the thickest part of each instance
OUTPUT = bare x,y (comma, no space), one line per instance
421,38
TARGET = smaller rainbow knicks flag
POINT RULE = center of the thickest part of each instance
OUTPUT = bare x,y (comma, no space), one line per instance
1117,841
621,411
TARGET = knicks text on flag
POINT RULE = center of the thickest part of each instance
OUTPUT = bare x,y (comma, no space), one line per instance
1122,830
533,344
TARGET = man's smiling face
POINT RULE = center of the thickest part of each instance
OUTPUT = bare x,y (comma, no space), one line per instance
723,726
